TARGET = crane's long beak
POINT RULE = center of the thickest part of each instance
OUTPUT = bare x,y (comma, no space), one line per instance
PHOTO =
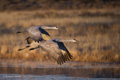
71,40
47,27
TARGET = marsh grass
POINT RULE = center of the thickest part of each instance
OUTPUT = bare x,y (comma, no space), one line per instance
98,36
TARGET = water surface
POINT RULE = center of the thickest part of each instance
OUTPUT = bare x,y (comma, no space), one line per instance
52,71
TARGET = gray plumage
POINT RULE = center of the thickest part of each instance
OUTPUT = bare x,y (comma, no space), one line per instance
37,33
56,49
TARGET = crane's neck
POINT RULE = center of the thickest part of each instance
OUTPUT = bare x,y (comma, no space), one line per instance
47,27
71,40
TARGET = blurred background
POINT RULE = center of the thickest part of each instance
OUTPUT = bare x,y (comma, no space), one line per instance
95,24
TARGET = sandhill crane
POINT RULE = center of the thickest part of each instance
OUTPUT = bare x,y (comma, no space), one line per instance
56,49
38,33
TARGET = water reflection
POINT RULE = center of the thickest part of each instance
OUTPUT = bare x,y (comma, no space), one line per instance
70,72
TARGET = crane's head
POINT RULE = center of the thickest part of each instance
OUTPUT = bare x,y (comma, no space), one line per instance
73,40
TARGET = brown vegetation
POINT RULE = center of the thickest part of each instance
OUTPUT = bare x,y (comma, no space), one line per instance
96,30
10,5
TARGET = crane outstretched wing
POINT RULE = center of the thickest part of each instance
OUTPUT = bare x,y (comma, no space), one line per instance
55,50
66,56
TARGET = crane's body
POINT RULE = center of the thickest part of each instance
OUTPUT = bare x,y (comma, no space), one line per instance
56,49
37,33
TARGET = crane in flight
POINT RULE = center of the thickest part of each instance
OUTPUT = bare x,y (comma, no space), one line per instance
56,49
38,33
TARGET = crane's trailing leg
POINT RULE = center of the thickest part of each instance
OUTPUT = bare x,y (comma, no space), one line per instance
18,32
23,48
33,48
